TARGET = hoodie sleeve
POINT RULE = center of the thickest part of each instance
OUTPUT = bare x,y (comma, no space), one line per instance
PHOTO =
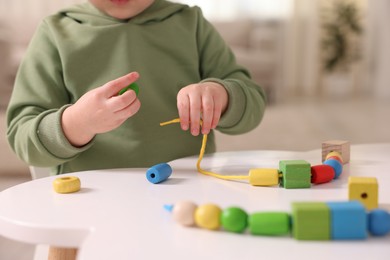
218,64
37,102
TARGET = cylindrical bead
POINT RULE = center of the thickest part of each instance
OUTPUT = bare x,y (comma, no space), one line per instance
234,219
322,173
208,216
158,173
379,222
337,166
264,177
269,223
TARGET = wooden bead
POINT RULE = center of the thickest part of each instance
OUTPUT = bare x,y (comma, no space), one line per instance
336,165
322,173
311,221
208,216
68,184
379,222
269,223
234,219
183,213
364,189
334,155
264,177
349,220
296,174
342,147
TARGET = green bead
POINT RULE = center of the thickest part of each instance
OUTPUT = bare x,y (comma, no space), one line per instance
269,223
234,219
296,174
132,86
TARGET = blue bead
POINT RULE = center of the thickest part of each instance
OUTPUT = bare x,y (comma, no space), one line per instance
348,220
158,173
336,165
379,222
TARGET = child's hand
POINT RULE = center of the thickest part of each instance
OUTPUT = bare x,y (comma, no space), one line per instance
206,100
100,110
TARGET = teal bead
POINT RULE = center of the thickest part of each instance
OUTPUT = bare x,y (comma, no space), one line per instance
234,219
379,222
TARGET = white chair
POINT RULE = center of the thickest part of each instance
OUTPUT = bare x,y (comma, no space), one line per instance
41,251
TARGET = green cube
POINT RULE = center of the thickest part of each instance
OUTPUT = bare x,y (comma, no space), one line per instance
311,221
296,174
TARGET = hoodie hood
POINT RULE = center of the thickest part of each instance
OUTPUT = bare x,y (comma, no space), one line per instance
87,13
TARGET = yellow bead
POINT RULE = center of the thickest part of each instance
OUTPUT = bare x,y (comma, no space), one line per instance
67,184
208,216
364,189
334,154
264,177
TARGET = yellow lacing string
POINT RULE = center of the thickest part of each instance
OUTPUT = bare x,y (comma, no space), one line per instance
202,150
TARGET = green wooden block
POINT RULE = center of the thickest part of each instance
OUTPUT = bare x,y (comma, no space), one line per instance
311,221
296,174
269,223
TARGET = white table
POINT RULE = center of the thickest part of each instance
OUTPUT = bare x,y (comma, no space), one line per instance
119,215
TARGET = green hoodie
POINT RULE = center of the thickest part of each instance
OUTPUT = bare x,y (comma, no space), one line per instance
80,48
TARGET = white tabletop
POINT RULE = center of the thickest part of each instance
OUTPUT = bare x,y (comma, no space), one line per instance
119,215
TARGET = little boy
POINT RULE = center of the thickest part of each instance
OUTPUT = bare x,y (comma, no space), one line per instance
65,111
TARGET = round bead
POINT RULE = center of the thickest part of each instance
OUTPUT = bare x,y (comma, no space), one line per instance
132,86
379,222
183,213
234,219
67,184
336,165
158,173
334,154
336,158
208,216
322,173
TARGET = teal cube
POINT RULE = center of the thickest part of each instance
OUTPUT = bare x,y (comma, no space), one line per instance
296,174
311,221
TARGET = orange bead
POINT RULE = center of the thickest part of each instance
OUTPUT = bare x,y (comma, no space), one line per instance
322,173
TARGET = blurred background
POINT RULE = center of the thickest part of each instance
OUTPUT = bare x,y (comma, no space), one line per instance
325,66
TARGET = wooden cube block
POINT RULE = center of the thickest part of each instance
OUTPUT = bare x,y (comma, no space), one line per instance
342,147
348,220
296,174
311,221
365,190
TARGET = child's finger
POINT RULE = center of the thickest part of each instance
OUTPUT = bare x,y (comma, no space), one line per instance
113,87
183,106
120,102
207,113
195,106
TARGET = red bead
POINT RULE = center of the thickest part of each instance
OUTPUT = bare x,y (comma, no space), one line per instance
322,173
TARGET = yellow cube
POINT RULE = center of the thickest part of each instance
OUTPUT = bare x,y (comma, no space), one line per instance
264,177
364,189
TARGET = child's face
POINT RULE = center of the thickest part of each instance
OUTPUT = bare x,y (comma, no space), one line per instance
122,9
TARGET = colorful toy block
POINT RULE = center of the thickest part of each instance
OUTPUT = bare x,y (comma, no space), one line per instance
342,147
379,222
311,221
364,189
264,177
348,220
296,174
269,223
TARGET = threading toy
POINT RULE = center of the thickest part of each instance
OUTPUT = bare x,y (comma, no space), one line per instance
345,220
292,174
